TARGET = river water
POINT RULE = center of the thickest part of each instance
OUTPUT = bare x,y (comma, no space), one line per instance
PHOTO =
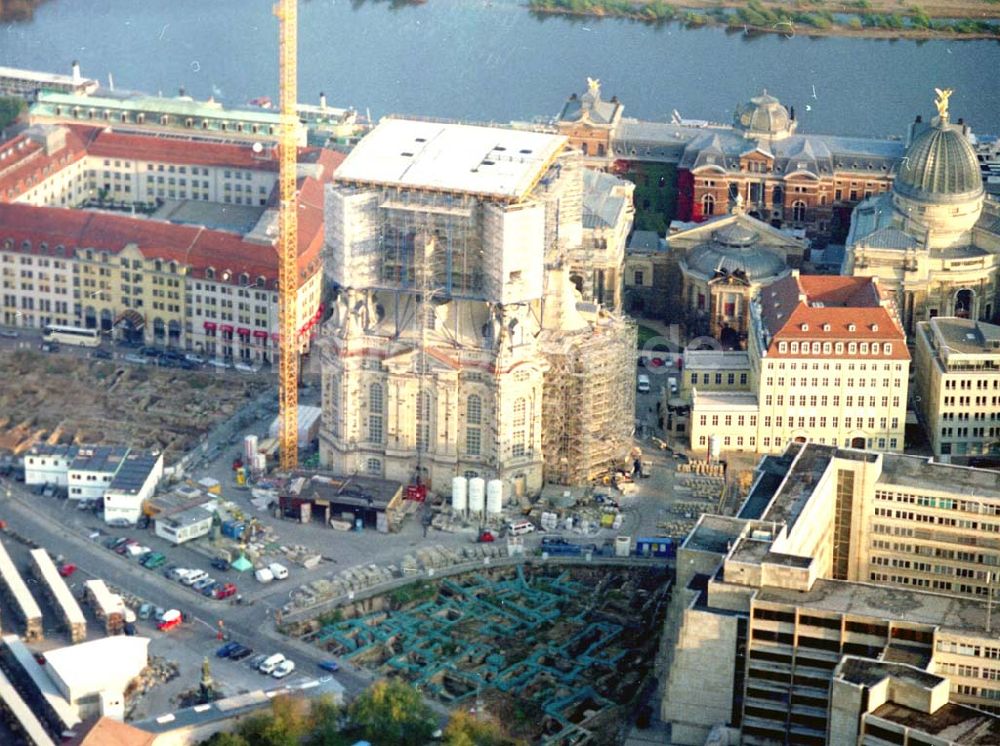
493,60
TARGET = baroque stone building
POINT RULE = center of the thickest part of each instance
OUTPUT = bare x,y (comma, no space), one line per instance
458,345
935,240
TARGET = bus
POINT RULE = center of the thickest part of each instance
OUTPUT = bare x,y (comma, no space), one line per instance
71,335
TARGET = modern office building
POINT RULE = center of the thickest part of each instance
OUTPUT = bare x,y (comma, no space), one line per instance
957,364
27,84
844,571
828,362
934,241
458,344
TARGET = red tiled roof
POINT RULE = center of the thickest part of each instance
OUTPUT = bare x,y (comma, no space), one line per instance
827,308
197,248
24,162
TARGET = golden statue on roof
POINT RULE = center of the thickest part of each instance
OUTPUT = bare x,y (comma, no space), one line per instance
942,101
594,87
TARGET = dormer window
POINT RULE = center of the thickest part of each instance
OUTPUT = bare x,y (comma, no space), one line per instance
852,348
210,274
864,348
805,327
874,327
839,348
826,327
783,346
851,328
887,348
875,348
795,346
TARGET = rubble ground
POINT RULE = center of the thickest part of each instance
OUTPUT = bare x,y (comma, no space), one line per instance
68,399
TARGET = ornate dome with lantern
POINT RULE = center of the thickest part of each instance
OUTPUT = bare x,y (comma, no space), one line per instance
764,116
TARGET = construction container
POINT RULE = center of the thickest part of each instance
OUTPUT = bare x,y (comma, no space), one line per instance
233,529
623,546
494,497
459,494
249,449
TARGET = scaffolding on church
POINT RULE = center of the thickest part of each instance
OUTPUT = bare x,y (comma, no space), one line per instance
589,401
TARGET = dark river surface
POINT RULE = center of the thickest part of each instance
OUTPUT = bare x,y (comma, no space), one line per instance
493,60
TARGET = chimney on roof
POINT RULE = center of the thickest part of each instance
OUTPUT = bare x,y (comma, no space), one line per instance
572,97
322,101
919,119
791,113
77,77
181,91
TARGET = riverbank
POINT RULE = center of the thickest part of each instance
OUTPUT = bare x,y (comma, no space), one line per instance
876,19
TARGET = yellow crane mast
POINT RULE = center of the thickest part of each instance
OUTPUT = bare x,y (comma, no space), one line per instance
288,365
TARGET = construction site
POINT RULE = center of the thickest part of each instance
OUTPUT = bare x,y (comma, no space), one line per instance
558,654
458,344
58,398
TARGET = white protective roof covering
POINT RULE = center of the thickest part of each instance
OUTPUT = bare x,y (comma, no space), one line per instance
105,664
459,158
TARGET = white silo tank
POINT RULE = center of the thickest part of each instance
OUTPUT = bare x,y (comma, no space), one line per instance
260,462
459,494
714,446
477,495
249,450
494,497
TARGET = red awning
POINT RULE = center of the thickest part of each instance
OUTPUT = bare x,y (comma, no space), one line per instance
210,325
226,328
243,331
260,334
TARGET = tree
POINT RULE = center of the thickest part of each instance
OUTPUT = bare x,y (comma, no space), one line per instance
393,712
325,717
225,739
285,725
465,730
10,109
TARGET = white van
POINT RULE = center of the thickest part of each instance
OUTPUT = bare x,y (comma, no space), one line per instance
672,384
284,668
271,663
519,528
642,383
264,575
193,577
279,571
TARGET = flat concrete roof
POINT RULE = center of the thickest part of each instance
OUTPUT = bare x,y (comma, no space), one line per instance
714,533
954,723
924,474
868,672
966,336
459,158
716,360
101,664
880,602
725,400
361,492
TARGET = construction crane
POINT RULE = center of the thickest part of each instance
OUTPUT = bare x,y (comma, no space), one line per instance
288,342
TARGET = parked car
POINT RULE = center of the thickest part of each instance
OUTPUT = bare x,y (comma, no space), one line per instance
271,663
226,650
170,572
145,611
158,613
193,576
331,666
132,357
202,583
209,590
279,571
283,669
196,359
255,662
48,347
10,333
247,368
219,364
240,653
129,629
149,351
120,523
123,547
115,541
171,619
167,362
264,575
225,590
100,354
153,560
220,563
66,569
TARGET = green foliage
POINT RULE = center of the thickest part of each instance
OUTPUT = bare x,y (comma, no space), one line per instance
392,712
330,617
225,739
465,730
415,592
10,109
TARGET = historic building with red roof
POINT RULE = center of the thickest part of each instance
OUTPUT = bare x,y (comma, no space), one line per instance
828,362
192,275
